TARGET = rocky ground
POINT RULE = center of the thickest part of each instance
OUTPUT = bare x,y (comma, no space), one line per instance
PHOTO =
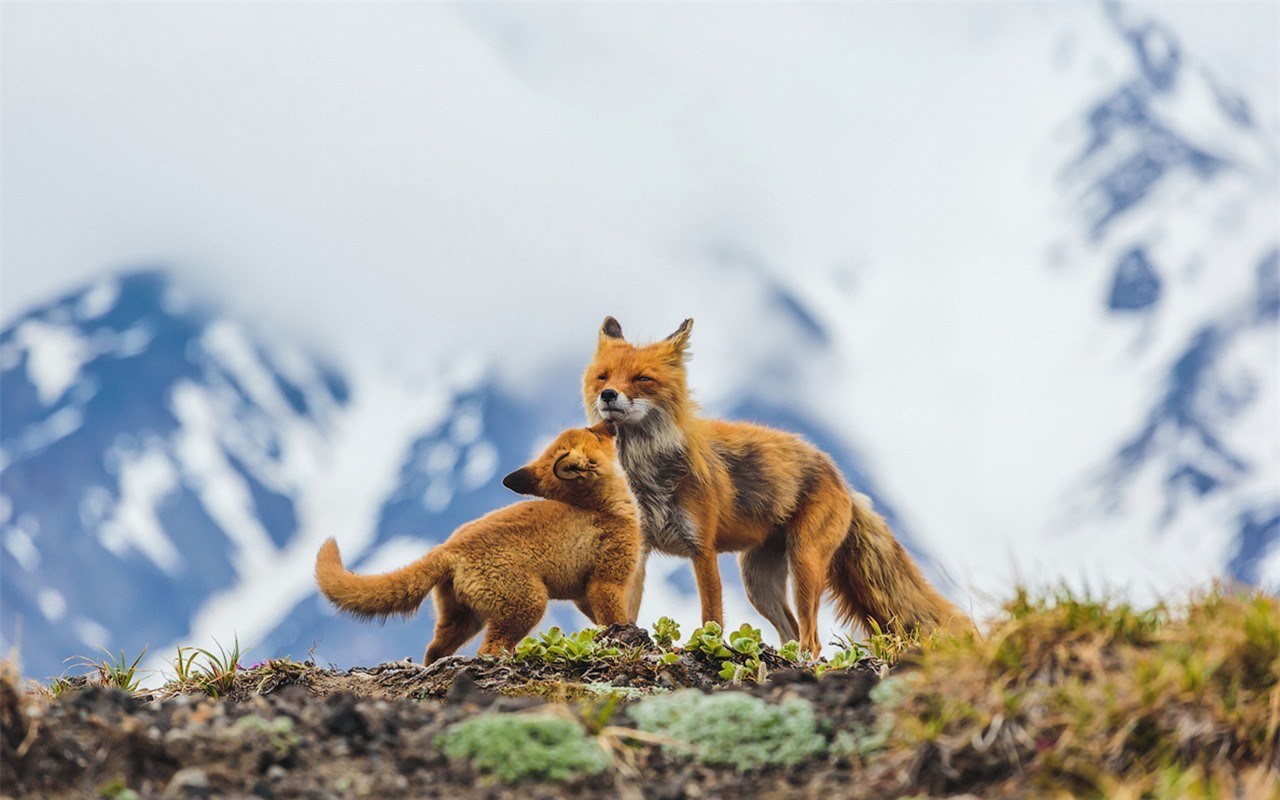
309,732
1059,698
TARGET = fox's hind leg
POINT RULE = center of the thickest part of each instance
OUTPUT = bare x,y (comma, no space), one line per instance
521,606
814,534
456,623
635,587
764,576
609,601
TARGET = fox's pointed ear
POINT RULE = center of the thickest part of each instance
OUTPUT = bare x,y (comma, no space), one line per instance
610,331
679,340
520,482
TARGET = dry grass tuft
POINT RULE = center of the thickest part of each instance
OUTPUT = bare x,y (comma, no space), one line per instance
1098,697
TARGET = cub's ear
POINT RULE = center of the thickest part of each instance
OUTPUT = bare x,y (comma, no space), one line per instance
570,467
610,330
603,430
521,482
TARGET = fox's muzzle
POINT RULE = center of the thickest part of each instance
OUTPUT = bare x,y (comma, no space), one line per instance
614,406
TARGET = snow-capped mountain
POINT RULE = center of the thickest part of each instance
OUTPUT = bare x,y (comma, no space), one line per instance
1175,189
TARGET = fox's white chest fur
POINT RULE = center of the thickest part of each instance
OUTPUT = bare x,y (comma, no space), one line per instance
656,461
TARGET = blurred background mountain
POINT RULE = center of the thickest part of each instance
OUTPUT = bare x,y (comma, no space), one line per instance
279,273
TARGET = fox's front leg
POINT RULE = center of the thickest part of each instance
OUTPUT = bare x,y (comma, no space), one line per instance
706,569
635,587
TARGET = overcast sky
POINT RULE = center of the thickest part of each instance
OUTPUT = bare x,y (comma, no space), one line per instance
403,178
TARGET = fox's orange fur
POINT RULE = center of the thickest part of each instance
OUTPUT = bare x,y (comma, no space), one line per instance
580,543
708,486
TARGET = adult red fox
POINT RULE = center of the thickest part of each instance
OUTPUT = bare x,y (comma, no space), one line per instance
580,543
707,486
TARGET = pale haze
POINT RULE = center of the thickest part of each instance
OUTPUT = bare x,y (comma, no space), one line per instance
406,188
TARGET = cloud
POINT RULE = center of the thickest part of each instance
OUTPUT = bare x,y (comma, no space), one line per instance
404,182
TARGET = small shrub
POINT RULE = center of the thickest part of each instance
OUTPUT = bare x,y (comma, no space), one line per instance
739,660
791,652
733,728
707,640
666,632
517,747
557,646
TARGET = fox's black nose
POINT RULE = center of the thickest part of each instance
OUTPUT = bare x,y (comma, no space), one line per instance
609,395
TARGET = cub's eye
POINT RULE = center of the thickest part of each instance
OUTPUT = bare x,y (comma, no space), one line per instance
643,379
603,376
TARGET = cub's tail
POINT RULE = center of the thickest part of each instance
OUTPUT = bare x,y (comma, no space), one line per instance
873,579
373,596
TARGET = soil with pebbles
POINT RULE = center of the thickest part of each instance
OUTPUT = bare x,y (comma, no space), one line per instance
308,732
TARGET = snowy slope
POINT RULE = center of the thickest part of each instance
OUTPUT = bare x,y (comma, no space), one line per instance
1095,390
162,466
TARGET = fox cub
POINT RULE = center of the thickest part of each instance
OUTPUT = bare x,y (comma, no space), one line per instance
581,543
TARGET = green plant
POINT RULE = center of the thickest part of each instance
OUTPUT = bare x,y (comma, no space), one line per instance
118,672
888,647
116,789
215,675
517,747
707,639
666,632
557,646
739,659
841,659
733,728
790,651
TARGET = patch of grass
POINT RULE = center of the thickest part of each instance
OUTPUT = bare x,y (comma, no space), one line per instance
276,672
520,747
733,728
1093,695
116,672
59,686
209,672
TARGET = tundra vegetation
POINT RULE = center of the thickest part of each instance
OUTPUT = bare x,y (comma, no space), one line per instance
1058,695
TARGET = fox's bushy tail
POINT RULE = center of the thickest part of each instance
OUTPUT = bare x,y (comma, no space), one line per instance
873,578
376,596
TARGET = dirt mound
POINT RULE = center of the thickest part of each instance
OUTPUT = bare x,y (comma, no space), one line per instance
325,734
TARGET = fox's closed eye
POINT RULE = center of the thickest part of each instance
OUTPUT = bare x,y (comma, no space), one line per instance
603,376
644,378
